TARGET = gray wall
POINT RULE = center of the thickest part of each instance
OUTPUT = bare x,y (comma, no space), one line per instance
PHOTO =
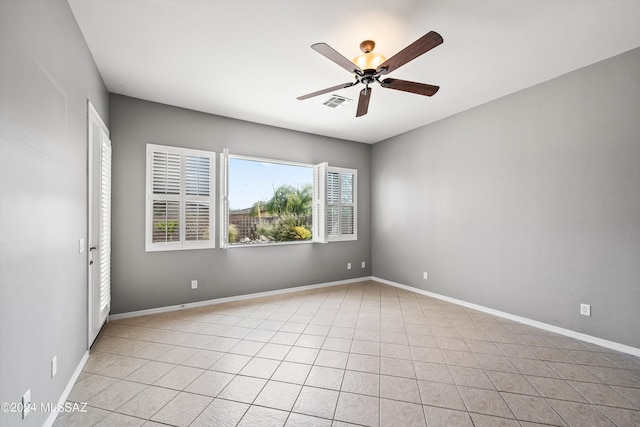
529,204
47,75
142,280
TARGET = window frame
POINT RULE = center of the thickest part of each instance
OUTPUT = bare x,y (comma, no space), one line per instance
182,198
224,197
320,204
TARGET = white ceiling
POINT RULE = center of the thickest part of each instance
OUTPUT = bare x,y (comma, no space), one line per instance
250,59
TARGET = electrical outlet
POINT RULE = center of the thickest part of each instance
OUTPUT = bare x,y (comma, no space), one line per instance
54,366
585,309
424,275
363,264
348,266
194,284
26,403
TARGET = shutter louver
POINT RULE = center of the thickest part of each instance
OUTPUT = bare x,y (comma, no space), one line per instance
105,224
197,224
197,174
166,221
166,173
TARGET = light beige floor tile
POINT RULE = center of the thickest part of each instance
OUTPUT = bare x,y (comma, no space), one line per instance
179,377
361,383
182,409
230,363
123,366
300,420
397,351
532,409
357,408
273,351
481,420
302,355
441,417
602,394
440,395
317,402
495,363
332,359
151,372
203,359
116,395
243,389
152,351
322,377
210,383
310,341
371,348
84,390
176,355
486,402
148,402
286,338
400,414
90,417
291,372
363,363
278,395
397,367
580,414
260,335
513,383
451,358
427,355
261,368
120,420
471,377
555,388
397,388
264,417
620,416
221,413
336,344
434,372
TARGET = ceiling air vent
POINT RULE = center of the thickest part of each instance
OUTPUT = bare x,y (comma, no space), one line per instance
337,101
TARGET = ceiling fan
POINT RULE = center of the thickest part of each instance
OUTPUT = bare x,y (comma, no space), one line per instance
370,67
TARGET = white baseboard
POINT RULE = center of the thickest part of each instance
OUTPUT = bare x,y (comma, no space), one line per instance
545,326
167,309
65,393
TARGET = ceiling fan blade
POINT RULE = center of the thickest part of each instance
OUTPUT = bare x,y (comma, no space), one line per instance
363,101
329,89
415,49
407,86
332,54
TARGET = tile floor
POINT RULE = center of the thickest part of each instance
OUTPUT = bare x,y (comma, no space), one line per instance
358,354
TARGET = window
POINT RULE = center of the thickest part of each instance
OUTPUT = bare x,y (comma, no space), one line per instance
300,202
180,198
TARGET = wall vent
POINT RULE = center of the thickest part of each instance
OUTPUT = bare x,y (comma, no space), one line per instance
337,101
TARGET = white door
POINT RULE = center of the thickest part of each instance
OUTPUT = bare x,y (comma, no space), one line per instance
99,223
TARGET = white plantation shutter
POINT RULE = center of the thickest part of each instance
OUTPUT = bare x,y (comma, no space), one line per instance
320,189
224,199
180,198
105,224
341,204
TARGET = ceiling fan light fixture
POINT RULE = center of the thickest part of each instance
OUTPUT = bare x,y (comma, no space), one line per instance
369,61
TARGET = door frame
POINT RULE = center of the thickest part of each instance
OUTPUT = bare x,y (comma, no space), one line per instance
93,219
